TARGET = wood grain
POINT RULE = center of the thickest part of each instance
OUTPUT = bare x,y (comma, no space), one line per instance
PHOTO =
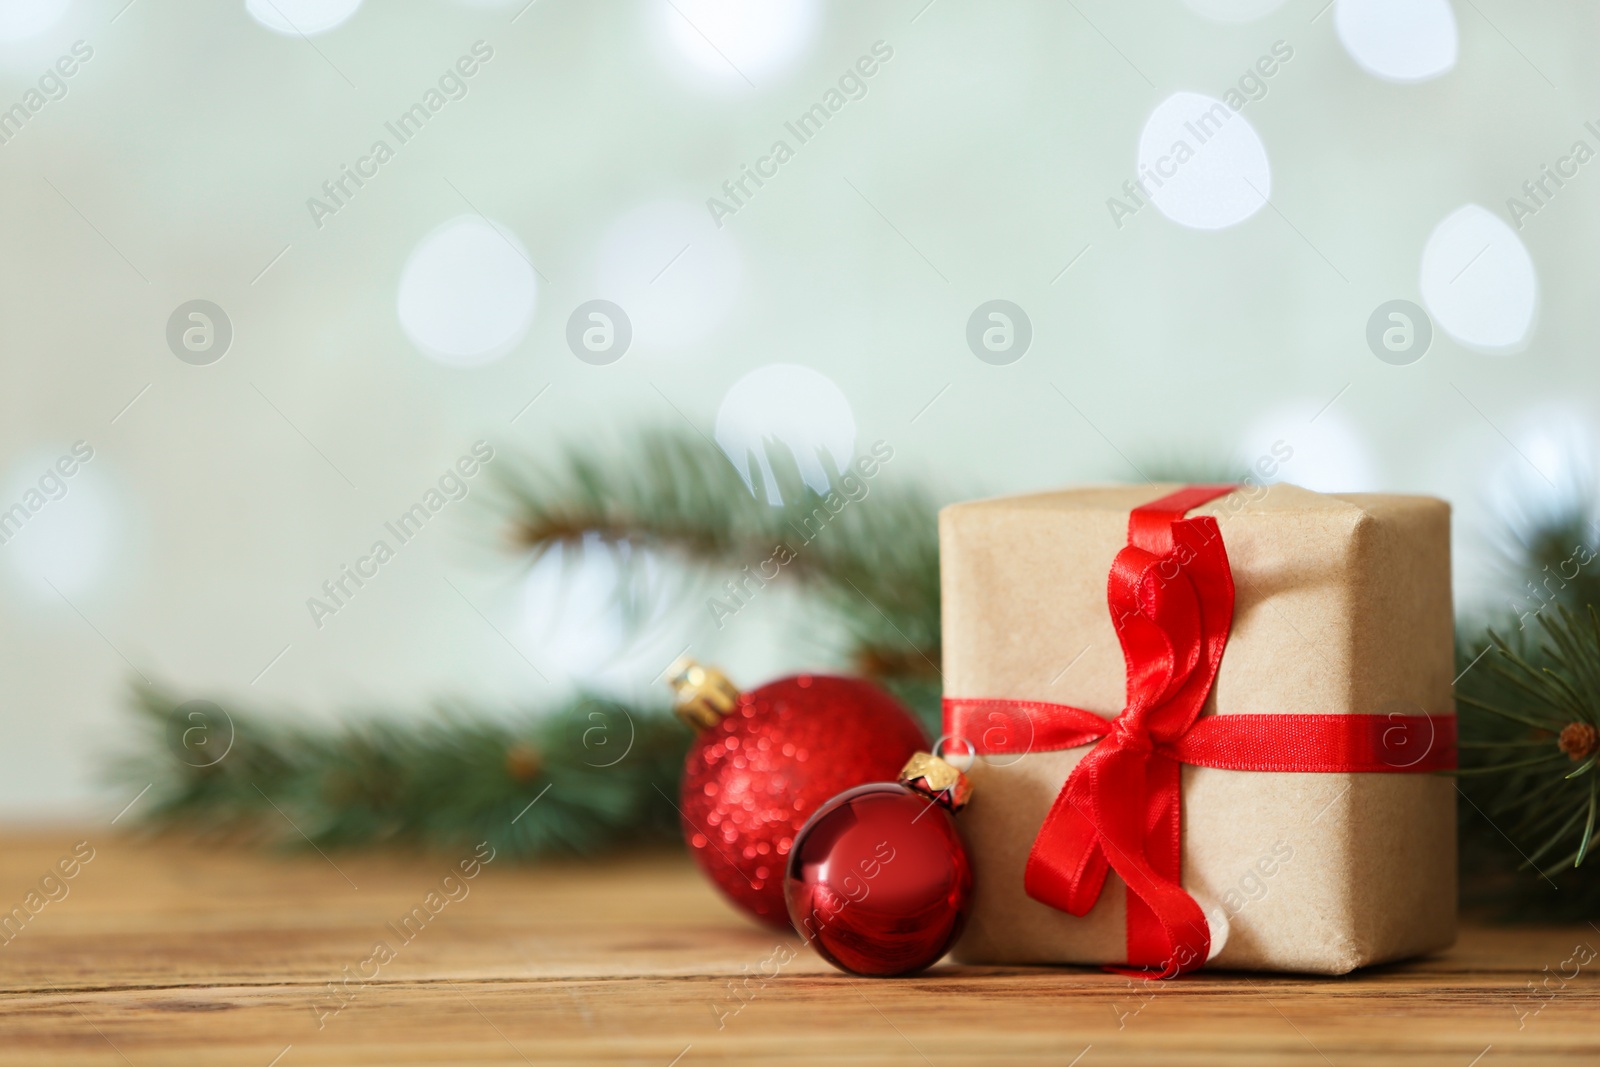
165,953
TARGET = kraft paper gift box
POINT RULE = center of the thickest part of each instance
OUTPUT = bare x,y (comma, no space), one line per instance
1342,606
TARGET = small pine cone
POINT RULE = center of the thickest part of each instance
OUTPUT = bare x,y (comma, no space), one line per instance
524,762
1579,740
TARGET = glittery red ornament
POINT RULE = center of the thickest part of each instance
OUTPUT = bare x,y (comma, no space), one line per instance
878,881
766,759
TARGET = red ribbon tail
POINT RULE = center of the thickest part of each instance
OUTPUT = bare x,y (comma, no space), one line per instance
1068,872
1088,831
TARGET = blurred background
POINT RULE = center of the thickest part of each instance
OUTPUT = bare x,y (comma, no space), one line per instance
275,271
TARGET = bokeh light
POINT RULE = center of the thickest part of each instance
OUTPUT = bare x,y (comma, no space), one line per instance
1478,281
1398,40
1310,445
68,537
1549,471
1203,163
467,294
297,18
674,273
787,406
21,20
725,42
601,614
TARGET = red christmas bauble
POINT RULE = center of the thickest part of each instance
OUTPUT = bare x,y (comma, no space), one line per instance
879,882
753,778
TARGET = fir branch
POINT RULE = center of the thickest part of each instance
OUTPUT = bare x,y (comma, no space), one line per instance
868,548
592,774
589,775
1533,694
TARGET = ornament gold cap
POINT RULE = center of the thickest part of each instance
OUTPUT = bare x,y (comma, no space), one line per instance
702,695
933,777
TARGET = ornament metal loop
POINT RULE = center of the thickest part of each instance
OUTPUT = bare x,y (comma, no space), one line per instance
964,753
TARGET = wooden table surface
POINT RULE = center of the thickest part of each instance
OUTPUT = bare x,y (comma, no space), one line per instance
166,953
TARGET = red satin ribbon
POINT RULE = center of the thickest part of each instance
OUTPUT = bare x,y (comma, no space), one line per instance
1171,597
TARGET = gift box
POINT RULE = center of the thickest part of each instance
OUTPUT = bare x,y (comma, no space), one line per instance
1236,701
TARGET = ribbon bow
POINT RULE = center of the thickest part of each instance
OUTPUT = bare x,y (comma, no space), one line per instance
1171,596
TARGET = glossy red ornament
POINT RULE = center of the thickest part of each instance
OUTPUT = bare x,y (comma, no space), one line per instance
879,882
756,774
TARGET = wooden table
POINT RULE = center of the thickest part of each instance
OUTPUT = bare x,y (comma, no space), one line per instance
164,953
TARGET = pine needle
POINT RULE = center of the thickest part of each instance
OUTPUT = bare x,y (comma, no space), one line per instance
1583,768
1588,827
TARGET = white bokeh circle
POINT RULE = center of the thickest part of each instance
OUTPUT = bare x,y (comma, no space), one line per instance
296,18
725,42
21,20
1233,10
69,541
599,614
1478,281
674,273
1203,163
1548,473
1509,492
1399,40
1310,445
467,294
789,406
